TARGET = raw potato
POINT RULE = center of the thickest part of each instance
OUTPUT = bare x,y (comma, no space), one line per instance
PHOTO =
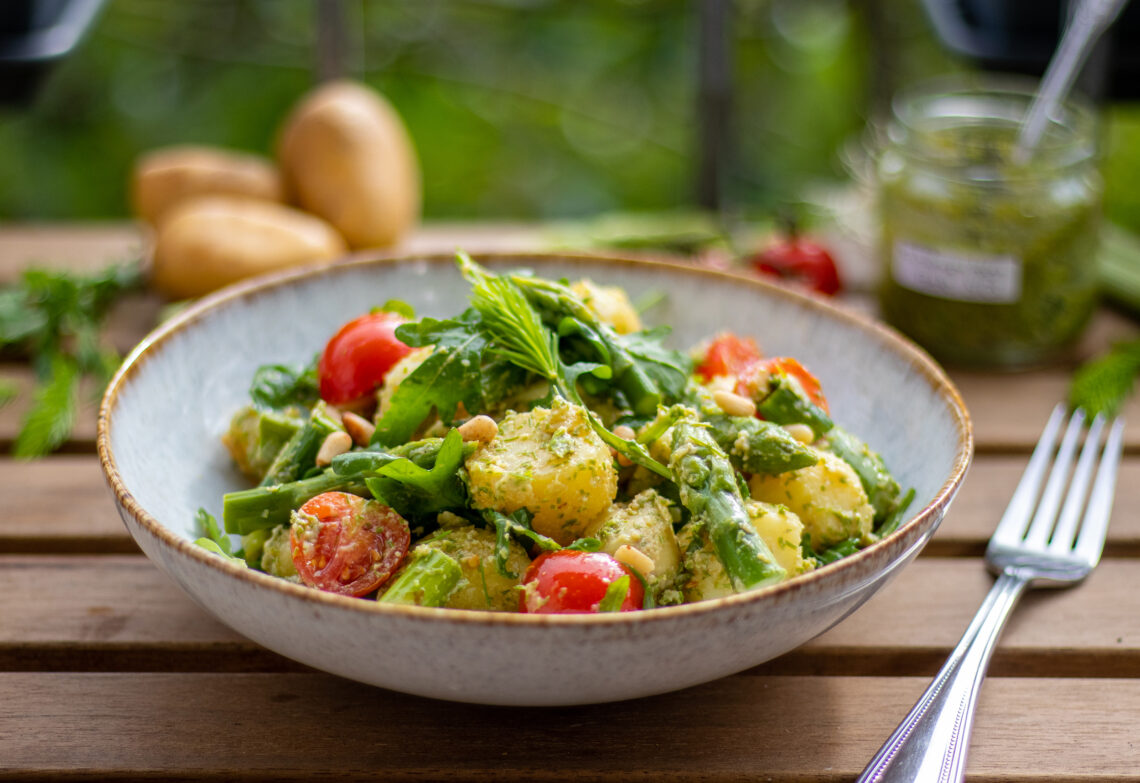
168,176
482,586
347,157
827,497
210,242
551,462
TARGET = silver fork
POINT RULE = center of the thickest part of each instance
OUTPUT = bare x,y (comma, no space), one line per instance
1033,546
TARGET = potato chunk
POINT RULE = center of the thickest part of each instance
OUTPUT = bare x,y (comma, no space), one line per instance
827,497
704,576
645,524
551,462
610,304
481,586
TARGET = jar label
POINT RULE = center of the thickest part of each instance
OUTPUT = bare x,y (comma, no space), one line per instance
966,278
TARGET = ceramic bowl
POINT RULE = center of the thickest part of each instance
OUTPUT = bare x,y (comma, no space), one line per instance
163,413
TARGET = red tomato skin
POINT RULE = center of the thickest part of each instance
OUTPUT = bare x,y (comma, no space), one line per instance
344,544
728,354
573,582
786,365
801,260
358,356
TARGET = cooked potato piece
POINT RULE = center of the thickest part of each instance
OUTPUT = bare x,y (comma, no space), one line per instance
645,524
827,497
704,575
168,176
277,557
783,532
347,157
481,586
610,303
551,462
395,376
212,241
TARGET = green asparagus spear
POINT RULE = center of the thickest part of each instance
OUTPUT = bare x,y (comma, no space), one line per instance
266,507
428,579
881,488
759,446
300,452
786,403
708,488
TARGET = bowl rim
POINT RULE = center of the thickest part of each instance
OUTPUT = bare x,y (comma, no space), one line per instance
150,345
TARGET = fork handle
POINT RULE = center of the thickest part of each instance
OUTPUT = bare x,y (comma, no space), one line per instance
931,742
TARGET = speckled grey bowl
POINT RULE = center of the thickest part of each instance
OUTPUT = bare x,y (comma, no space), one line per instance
162,416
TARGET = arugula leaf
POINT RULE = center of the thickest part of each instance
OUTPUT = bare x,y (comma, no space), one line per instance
52,415
1102,385
413,490
397,306
215,540
277,386
668,369
847,546
516,523
615,595
451,375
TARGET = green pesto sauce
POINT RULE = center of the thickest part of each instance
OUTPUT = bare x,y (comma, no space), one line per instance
954,192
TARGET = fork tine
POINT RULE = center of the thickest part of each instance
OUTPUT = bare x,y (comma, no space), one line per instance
1020,509
1046,514
1090,542
1066,529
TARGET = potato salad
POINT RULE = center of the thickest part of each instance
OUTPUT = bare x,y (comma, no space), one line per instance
542,452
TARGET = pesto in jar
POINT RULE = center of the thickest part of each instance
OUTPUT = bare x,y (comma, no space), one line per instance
988,262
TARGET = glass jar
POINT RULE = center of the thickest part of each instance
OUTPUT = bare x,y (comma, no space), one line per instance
988,261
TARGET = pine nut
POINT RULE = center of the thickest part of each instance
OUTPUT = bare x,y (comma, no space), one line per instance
334,413
733,404
635,559
801,432
335,444
359,428
481,428
625,432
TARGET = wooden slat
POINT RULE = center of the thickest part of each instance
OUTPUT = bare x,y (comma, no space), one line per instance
74,246
300,726
64,506
117,612
988,488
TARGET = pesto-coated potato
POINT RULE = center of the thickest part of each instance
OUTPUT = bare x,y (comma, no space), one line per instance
827,497
395,376
481,586
703,574
551,462
277,557
645,524
211,241
610,303
165,177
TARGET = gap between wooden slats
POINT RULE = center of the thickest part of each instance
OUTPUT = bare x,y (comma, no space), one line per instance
297,727
120,613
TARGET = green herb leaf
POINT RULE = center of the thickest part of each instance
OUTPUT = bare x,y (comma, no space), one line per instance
277,386
1102,385
52,415
615,595
397,306
413,490
215,540
515,524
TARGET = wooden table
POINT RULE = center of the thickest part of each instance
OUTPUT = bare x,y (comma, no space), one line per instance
108,670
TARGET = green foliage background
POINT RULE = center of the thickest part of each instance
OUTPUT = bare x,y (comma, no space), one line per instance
519,108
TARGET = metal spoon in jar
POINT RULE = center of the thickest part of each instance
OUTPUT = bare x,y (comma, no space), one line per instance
1087,23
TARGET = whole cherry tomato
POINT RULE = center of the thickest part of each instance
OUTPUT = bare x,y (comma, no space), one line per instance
728,354
800,260
573,582
344,544
358,356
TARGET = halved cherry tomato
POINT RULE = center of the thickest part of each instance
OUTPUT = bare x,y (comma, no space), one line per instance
344,544
786,365
573,582
358,356
729,355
